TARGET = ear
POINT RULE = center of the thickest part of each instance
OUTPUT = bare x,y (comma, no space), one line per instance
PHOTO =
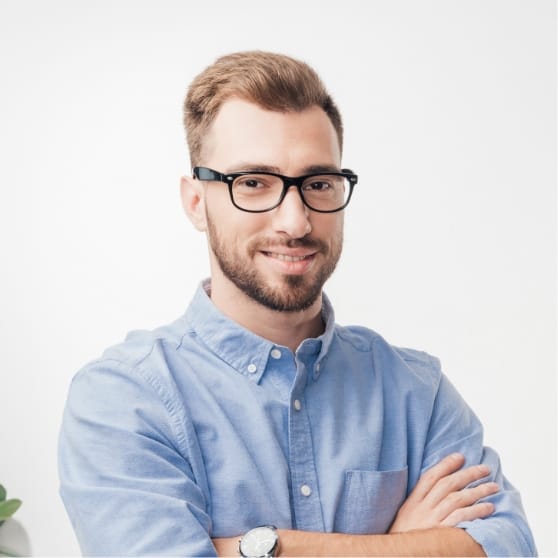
193,201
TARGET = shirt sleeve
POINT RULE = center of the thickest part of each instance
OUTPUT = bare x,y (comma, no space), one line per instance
126,480
455,428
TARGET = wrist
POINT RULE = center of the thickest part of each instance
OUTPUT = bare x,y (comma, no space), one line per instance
259,542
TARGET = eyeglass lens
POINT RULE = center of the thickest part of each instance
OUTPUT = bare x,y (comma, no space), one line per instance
258,192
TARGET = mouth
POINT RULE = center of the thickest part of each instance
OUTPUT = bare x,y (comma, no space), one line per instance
290,264
287,257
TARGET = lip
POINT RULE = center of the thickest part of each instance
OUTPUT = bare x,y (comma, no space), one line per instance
291,262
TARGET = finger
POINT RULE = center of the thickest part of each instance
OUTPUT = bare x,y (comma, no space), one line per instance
478,511
465,498
429,478
455,482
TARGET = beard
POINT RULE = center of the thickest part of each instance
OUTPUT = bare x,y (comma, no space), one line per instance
297,293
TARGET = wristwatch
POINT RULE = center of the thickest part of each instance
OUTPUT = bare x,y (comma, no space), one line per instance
260,542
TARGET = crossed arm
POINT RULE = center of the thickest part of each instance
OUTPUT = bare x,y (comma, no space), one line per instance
424,525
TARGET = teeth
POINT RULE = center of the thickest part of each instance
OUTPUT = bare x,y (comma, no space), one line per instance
286,258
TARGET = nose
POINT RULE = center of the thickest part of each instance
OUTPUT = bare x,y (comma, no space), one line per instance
292,216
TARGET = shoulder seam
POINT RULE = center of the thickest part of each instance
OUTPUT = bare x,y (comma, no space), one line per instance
163,395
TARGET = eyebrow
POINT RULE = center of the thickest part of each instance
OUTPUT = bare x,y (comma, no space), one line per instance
252,167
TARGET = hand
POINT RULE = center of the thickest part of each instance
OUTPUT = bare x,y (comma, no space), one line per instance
440,498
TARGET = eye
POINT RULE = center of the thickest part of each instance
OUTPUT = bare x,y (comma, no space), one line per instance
253,182
248,182
320,185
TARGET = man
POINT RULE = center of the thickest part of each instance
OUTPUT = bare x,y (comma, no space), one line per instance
254,416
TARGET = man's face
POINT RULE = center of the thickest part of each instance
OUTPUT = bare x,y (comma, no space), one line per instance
280,258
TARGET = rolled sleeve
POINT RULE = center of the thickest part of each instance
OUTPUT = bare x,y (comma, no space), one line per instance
126,479
455,428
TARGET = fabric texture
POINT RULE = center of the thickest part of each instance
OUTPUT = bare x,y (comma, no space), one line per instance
202,429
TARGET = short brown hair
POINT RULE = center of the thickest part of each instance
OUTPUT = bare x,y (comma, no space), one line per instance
272,81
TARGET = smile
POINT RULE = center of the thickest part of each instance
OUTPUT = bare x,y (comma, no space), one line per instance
286,258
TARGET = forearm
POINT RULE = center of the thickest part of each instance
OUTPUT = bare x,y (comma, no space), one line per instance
446,541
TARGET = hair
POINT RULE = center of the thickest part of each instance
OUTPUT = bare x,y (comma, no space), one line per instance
272,81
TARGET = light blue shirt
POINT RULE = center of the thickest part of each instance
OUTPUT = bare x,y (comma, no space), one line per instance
202,429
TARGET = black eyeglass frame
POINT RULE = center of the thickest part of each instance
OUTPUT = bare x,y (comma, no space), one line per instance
205,173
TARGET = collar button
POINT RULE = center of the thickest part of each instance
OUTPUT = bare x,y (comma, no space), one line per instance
276,353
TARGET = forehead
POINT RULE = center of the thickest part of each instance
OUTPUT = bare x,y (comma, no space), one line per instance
243,131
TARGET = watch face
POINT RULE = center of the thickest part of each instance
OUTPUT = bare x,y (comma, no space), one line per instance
257,542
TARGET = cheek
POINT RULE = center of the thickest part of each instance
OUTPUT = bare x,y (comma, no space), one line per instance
234,228
329,227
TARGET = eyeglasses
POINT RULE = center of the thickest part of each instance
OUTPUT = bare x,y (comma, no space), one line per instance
256,192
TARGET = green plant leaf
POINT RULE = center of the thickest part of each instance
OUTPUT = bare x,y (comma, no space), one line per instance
8,508
2,493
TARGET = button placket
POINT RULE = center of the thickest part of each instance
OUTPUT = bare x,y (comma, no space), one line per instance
307,512
305,490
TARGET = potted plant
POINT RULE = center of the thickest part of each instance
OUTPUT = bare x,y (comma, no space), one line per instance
7,507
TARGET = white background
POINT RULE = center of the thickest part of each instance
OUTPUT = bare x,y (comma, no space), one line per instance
449,109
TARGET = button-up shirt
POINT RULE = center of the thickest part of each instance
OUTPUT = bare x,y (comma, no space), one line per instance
203,429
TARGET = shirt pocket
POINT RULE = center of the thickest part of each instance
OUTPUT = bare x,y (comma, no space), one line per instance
370,501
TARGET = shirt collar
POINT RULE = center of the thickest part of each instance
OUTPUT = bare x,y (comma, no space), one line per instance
245,351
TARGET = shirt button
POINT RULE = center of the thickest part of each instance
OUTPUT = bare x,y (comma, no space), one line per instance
276,353
297,404
305,490
252,368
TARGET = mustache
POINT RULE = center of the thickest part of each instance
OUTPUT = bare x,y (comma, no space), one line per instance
303,242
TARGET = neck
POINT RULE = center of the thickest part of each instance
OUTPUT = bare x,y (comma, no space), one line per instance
288,329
